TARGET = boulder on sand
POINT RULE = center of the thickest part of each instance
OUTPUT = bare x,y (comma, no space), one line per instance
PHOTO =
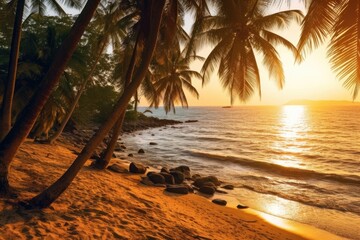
184,170
207,190
169,179
137,168
180,189
117,168
141,151
178,176
156,178
219,202
200,182
228,187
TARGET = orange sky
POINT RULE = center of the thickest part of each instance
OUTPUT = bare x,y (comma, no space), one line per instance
312,79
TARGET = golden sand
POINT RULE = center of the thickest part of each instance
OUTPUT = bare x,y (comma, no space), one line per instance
108,205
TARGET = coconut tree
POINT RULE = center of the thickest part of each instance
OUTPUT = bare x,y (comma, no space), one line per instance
171,31
238,31
147,38
172,78
112,22
35,6
22,127
339,21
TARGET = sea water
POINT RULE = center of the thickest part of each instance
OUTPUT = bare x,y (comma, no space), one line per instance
296,162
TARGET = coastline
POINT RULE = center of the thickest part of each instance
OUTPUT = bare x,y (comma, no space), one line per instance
116,206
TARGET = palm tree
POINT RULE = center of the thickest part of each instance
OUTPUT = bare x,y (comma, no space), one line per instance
5,119
148,34
172,77
339,21
22,127
110,20
239,29
168,35
40,6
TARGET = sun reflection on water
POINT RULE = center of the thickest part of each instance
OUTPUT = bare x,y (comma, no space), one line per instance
293,127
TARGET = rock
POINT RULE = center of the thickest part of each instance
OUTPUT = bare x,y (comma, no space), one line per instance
152,134
195,176
156,178
191,190
153,143
219,202
118,148
184,169
169,179
209,184
180,189
122,146
118,168
203,180
240,206
178,176
164,169
191,121
146,181
137,168
141,151
130,155
228,187
221,191
207,190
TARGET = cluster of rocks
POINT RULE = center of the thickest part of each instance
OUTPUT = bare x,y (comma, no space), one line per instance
145,122
179,180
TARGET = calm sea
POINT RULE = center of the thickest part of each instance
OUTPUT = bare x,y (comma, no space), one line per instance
296,162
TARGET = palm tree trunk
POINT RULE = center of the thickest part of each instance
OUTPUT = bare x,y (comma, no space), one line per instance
26,120
105,158
5,118
136,99
77,98
149,31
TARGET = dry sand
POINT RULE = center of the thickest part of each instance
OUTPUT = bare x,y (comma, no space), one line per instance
108,205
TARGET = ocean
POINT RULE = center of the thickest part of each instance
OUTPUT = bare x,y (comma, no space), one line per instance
296,162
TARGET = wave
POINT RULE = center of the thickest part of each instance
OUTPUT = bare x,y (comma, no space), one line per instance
272,168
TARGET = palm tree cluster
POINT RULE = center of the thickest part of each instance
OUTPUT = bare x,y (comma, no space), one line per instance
124,48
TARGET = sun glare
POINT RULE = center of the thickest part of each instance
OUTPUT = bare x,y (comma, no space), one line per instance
292,130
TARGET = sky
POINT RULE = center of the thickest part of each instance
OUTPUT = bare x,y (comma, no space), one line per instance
312,79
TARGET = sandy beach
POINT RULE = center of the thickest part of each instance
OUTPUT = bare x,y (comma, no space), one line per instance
109,205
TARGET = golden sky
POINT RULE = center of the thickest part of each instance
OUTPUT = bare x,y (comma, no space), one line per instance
312,79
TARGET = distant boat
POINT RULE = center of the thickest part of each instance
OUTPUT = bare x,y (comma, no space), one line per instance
226,107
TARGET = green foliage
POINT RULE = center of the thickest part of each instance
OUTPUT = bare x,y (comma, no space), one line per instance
95,104
131,116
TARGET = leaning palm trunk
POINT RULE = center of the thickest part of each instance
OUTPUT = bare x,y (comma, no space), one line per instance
5,118
149,30
105,157
53,138
25,122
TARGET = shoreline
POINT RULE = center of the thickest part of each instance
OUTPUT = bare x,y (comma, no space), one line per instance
116,206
